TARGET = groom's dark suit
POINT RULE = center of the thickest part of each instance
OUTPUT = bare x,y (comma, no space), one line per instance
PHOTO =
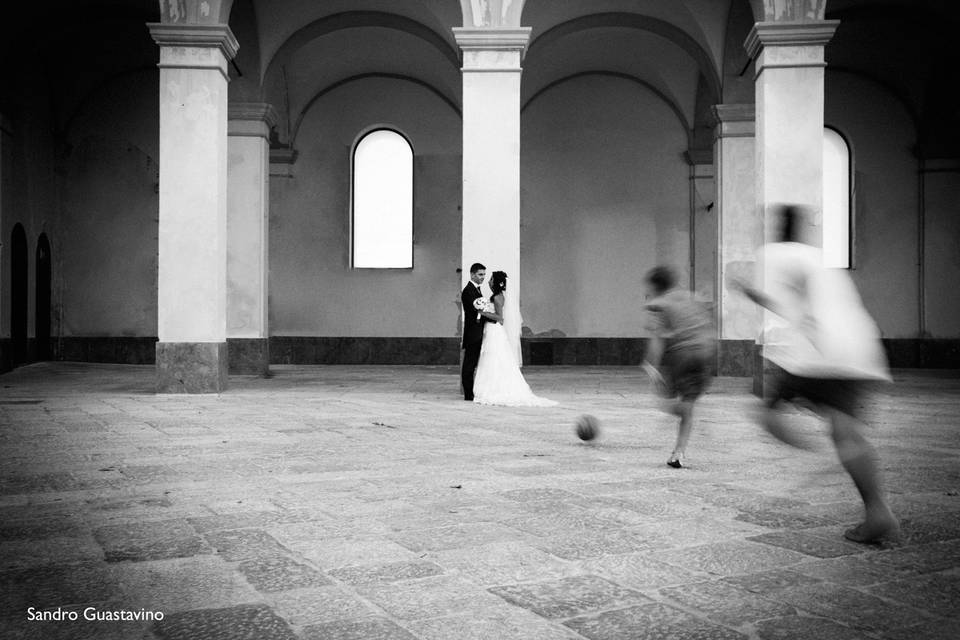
472,338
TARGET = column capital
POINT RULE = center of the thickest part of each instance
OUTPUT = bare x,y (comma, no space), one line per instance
789,34
742,112
733,120
789,44
492,49
217,36
698,157
493,38
251,119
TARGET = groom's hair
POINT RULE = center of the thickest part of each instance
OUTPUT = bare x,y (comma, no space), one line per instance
476,266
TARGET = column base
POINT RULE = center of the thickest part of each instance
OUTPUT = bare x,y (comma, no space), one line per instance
763,368
191,367
735,358
249,356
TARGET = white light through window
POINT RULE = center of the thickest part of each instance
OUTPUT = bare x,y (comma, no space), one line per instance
383,202
836,200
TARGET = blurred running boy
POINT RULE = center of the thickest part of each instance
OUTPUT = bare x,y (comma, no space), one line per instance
824,348
681,352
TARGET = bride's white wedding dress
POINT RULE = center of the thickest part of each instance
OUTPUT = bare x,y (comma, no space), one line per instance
498,379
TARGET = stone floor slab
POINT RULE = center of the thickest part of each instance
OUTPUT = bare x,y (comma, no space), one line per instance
730,558
650,622
51,586
181,584
937,593
568,597
457,536
850,607
766,582
232,623
811,545
365,629
241,544
269,574
429,597
387,572
493,625
318,605
150,541
725,603
337,553
792,627
638,571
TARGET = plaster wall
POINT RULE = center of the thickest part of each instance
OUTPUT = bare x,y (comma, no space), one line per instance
886,199
110,209
605,196
705,232
942,250
28,193
313,290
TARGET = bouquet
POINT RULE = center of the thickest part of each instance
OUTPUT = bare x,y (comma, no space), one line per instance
481,304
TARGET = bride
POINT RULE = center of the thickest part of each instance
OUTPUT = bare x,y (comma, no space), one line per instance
498,379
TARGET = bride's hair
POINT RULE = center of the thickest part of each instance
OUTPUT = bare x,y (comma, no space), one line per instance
498,282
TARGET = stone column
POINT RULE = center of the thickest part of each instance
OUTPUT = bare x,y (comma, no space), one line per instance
789,119
789,66
740,233
491,153
248,207
192,282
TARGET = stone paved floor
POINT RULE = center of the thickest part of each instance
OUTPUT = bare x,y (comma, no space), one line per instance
372,503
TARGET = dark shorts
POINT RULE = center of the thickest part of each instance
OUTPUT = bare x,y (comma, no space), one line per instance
841,394
686,372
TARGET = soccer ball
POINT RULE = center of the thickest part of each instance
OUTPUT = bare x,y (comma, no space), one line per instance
587,427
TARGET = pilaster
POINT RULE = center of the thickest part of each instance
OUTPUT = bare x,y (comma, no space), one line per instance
740,233
248,207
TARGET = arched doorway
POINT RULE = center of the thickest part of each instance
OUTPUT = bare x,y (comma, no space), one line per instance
19,266
42,318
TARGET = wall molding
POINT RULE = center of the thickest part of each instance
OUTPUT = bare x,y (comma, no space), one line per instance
736,358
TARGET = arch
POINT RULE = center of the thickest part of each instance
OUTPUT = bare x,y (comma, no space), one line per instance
381,200
41,318
643,23
899,95
363,76
19,295
103,83
357,19
623,76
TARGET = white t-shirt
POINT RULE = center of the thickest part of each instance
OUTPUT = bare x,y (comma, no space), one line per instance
820,328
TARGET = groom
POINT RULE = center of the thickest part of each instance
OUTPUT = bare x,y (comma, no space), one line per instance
472,328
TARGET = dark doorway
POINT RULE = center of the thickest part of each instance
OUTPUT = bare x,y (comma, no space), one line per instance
42,319
19,264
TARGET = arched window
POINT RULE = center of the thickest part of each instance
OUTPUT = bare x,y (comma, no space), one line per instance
382,228
836,200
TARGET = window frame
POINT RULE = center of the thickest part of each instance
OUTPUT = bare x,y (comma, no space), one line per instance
353,185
